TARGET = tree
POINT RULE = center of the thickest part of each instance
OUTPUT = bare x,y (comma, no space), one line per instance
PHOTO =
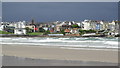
28,30
41,30
75,26
87,31
62,31
92,31
82,31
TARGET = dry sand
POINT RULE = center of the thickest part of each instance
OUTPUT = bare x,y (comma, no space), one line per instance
45,52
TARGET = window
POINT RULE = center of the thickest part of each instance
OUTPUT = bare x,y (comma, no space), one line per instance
19,30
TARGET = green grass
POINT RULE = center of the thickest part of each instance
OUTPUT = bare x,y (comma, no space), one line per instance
35,33
3,32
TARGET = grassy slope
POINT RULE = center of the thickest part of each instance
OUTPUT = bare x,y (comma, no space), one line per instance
35,33
3,32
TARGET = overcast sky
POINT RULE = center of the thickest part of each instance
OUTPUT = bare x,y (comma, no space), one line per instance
59,11
60,0
0,11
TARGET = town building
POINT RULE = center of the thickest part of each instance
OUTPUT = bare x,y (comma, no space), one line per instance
20,28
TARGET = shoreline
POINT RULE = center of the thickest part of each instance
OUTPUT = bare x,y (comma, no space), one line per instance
65,47
46,52
13,35
52,36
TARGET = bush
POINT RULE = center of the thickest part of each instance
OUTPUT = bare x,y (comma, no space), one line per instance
82,31
41,30
75,26
87,31
62,31
28,30
46,32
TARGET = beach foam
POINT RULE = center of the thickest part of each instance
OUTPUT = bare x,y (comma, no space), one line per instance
95,42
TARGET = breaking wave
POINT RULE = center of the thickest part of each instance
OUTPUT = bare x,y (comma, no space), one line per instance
91,42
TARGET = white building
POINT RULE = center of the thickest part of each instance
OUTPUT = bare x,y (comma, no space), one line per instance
112,26
20,28
70,23
78,23
86,25
94,25
45,28
1,26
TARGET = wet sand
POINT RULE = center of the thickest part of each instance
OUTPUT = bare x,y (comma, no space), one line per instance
19,61
79,56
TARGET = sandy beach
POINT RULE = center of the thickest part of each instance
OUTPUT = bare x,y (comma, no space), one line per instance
57,53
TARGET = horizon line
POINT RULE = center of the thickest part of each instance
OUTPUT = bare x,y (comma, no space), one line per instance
60,0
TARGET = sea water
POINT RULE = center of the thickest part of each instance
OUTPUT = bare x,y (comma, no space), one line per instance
67,42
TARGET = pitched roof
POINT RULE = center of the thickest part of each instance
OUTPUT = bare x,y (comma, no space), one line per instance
66,30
